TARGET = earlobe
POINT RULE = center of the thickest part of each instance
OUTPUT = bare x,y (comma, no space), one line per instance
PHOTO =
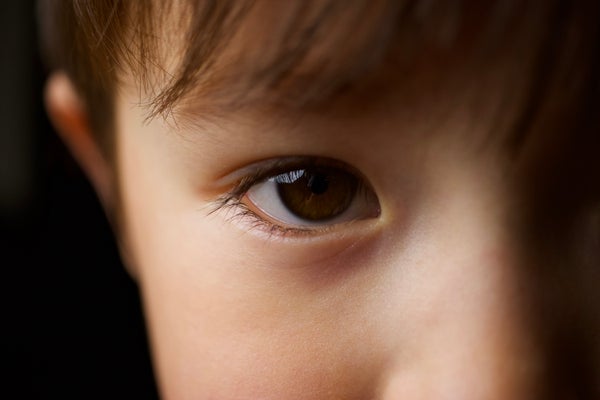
69,116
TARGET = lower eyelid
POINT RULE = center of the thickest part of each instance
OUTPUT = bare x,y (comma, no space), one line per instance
254,222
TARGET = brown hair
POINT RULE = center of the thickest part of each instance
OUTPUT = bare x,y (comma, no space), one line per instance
95,41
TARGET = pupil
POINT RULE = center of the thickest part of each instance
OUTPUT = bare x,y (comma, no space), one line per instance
318,184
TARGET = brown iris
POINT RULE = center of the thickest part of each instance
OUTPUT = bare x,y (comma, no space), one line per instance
316,194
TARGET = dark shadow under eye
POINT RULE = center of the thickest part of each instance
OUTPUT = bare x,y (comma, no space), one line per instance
317,194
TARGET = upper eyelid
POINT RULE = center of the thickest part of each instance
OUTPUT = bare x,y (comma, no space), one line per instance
267,168
256,169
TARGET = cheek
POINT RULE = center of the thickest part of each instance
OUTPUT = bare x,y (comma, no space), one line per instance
232,317
227,324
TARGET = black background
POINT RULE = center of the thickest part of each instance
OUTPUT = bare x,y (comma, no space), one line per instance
72,322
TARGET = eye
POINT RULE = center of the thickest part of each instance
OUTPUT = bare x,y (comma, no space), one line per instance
313,196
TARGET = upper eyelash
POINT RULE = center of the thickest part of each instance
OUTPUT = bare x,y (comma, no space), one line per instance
232,200
258,174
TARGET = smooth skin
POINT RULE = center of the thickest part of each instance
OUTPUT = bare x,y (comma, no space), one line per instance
427,300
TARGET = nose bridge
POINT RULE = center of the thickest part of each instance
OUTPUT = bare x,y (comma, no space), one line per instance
471,325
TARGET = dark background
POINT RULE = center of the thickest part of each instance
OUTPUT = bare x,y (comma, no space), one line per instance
71,320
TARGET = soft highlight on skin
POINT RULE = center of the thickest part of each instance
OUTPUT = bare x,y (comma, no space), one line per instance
469,123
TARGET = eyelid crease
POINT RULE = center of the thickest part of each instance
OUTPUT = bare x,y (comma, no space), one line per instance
274,166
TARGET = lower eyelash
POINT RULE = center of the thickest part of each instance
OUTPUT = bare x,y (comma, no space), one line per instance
233,205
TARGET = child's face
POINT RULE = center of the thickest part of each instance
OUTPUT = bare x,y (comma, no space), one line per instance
413,294
397,275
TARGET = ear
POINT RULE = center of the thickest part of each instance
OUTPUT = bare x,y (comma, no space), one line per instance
69,116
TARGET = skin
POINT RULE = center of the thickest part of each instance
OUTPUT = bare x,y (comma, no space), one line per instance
422,302
427,300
